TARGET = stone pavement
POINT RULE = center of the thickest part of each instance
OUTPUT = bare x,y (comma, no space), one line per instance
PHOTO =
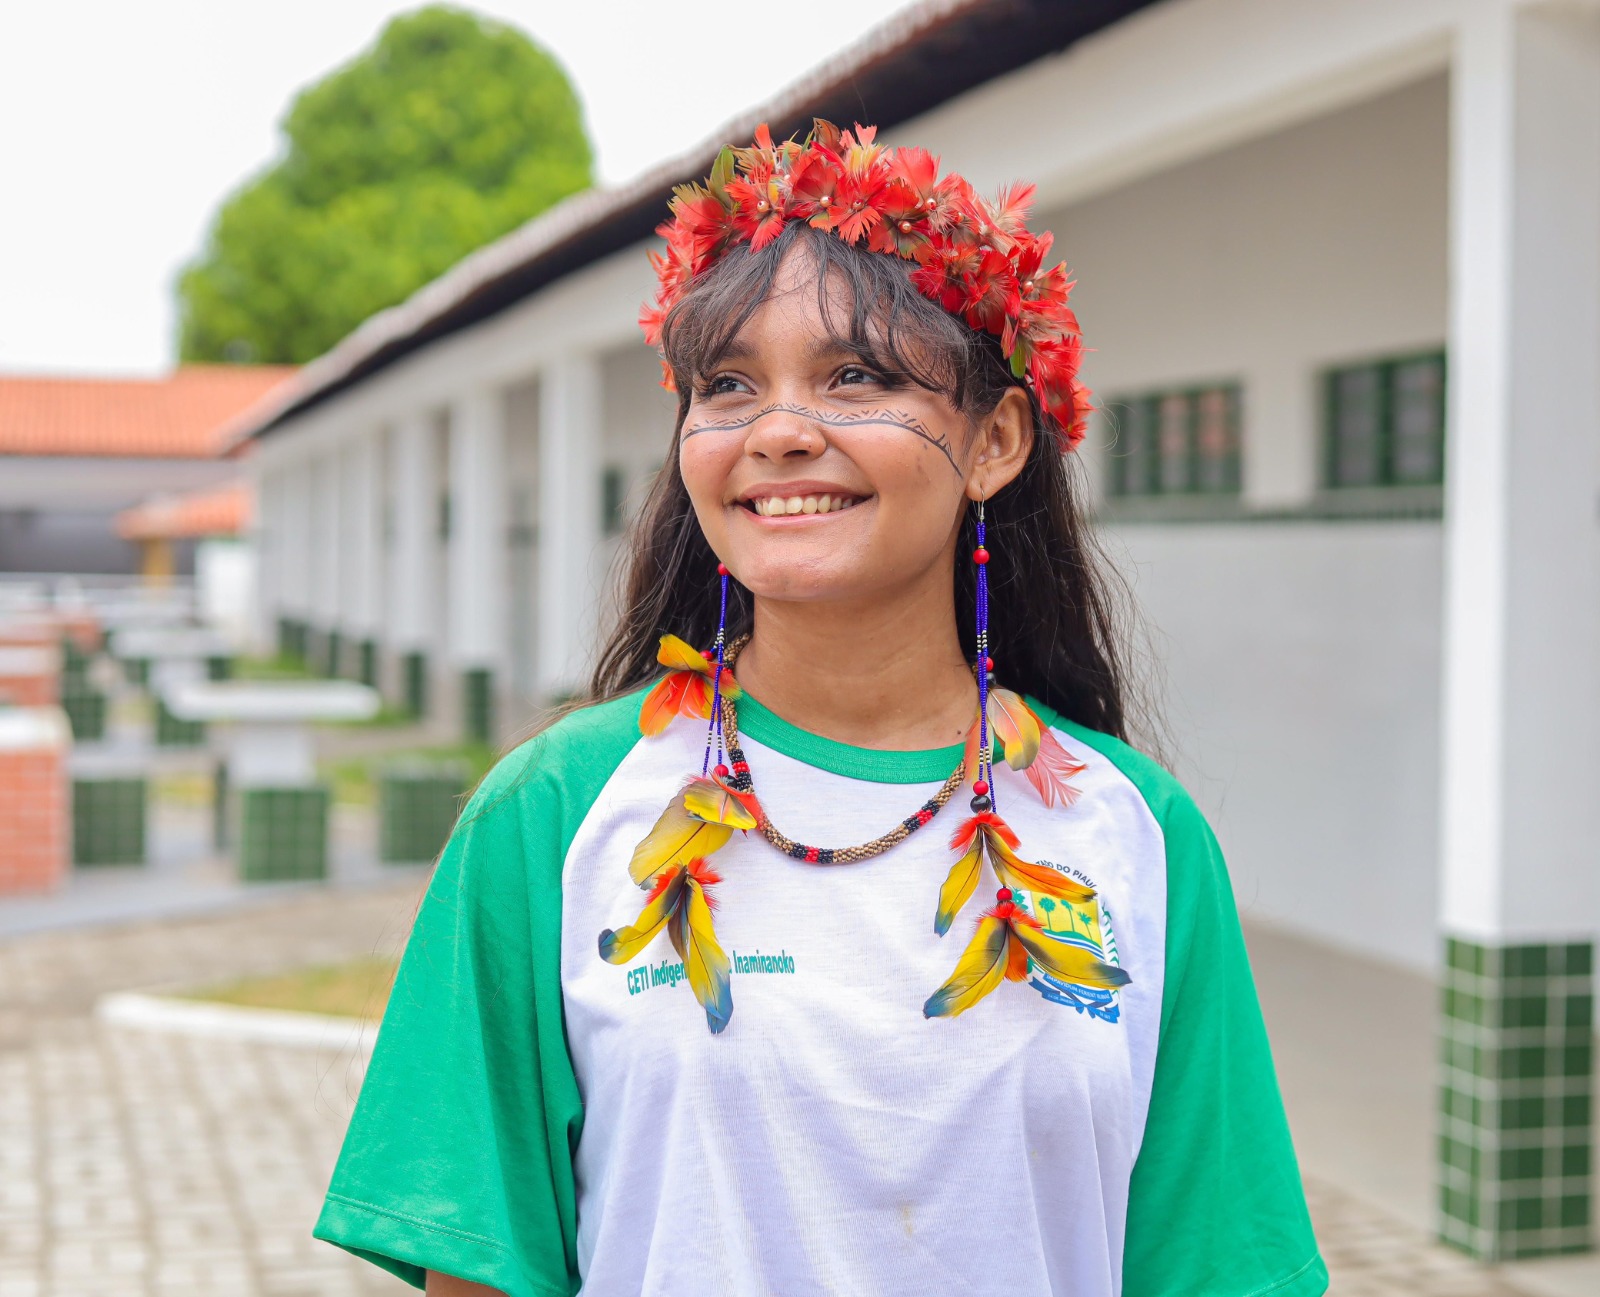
140,1164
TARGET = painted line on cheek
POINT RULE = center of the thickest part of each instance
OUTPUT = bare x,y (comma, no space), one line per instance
881,419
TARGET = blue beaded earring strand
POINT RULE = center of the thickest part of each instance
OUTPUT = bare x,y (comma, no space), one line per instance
983,786
714,726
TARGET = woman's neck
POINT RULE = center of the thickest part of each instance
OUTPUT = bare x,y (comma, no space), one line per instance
888,674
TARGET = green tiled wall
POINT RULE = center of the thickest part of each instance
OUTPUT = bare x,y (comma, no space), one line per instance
1516,1152
219,668
136,671
292,638
86,711
219,806
174,733
283,833
477,705
108,821
333,655
367,663
417,808
416,683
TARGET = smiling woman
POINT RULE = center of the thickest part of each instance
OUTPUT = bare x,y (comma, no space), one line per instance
866,576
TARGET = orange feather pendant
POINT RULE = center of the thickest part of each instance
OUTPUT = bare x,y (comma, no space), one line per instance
1004,943
681,902
685,690
677,838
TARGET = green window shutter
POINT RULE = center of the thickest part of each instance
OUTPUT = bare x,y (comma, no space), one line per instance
1216,440
1356,418
1417,415
1177,442
1384,422
1175,438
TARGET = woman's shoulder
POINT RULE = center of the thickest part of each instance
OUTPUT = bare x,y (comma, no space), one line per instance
1168,800
575,754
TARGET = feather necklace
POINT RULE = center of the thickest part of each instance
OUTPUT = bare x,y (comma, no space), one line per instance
671,865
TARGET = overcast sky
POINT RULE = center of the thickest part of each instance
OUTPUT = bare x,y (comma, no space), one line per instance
122,125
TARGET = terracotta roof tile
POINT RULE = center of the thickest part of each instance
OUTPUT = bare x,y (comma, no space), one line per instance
226,511
181,415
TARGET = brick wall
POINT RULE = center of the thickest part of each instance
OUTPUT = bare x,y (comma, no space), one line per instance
34,815
30,675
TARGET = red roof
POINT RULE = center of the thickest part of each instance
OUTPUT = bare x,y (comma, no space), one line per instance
180,415
225,511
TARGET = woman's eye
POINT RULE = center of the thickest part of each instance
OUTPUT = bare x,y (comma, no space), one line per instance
855,375
720,385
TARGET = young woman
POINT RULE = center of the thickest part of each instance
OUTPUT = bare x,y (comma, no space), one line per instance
856,953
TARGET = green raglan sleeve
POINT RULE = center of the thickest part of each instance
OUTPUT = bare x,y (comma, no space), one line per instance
459,1155
1216,1207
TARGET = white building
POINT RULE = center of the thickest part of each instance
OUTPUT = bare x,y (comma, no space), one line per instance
1373,578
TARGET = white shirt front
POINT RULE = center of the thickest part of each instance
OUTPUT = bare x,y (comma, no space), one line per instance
832,1139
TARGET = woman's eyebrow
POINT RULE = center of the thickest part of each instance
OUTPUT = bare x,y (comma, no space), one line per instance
833,348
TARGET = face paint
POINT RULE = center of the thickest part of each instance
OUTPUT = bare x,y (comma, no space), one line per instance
866,418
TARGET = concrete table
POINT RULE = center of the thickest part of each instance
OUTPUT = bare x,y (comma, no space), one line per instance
265,742
168,656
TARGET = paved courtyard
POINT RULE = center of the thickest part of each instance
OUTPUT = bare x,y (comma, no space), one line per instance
135,1163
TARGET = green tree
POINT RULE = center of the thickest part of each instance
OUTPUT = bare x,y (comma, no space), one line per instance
448,132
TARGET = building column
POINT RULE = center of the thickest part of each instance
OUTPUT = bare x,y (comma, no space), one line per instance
295,598
414,528
268,530
569,522
1521,761
361,574
326,557
477,556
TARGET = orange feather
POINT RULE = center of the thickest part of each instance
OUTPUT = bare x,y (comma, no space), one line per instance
664,701
715,802
1015,725
1052,768
1024,876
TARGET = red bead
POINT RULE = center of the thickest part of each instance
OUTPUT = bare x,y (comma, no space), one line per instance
981,787
722,569
720,770
988,664
1003,895
708,655
980,556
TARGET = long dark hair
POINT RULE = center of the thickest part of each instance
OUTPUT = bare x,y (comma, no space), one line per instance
1059,620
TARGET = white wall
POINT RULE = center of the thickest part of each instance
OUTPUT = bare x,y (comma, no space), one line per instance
1301,695
1266,263
1302,658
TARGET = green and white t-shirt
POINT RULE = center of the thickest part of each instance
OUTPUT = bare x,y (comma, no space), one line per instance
543,1122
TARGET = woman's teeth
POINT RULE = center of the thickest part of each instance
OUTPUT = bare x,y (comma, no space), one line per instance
774,506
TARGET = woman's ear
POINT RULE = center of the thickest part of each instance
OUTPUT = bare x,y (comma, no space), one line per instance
1004,441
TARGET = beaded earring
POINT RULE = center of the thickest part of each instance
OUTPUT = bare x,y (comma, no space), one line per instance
983,782
670,863
1008,937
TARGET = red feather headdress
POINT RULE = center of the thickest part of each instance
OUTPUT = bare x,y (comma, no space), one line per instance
977,259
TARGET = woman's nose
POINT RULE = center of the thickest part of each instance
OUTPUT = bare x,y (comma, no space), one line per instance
786,430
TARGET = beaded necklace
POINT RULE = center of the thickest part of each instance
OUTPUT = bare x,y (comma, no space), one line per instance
671,862
739,777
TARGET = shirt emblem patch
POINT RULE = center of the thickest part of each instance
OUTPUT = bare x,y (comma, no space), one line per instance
1088,926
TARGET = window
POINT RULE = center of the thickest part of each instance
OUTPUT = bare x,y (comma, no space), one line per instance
1183,442
1385,422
